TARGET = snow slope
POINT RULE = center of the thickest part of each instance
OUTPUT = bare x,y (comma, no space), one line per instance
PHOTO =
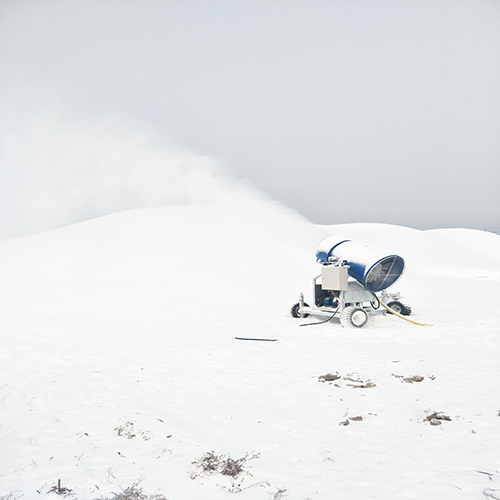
119,362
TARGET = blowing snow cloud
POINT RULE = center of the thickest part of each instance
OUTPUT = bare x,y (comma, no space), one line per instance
58,169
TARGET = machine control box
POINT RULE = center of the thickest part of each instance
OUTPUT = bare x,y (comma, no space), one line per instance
333,277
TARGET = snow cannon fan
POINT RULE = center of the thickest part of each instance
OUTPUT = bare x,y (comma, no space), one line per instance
375,271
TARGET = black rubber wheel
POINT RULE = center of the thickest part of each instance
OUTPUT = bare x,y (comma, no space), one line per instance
399,308
295,311
353,317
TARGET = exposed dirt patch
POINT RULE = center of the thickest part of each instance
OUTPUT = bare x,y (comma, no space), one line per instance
329,377
352,379
413,378
356,382
351,419
436,418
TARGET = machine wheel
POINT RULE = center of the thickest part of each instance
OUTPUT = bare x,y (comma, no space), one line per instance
399,307
295,310
353,317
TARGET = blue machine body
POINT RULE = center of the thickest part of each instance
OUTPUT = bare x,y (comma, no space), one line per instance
375,271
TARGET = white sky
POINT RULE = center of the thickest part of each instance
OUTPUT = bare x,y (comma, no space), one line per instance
347,111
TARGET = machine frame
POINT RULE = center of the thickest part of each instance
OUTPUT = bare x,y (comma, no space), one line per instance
336,295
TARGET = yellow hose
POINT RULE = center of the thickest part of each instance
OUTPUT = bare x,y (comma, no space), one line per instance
397,314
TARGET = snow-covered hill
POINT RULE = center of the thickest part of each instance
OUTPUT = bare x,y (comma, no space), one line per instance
119,362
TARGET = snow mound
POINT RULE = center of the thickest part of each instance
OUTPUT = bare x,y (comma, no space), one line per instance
120,364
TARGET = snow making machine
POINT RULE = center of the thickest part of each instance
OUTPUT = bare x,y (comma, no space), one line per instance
353,284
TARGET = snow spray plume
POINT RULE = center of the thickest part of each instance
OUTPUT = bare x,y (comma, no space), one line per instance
57,170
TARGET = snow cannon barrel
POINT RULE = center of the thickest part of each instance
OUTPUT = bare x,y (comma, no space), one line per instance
372,269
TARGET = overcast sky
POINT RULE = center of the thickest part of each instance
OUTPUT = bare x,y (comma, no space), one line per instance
345,110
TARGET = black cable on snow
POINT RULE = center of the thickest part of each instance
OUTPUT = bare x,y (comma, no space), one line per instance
321,322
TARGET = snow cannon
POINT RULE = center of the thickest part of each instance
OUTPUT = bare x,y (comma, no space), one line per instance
352,285
373,270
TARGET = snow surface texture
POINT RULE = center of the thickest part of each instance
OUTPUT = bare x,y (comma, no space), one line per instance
119,363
